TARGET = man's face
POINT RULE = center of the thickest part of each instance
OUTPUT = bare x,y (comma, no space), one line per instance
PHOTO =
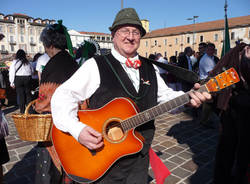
202,49
210,51
127,40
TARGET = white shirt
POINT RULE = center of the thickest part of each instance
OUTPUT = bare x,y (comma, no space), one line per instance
189,63
24,70
84,82
206,65
41,62
162,60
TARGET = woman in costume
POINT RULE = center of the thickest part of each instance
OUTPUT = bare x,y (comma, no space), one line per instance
59,68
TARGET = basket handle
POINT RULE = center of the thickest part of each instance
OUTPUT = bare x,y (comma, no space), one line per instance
28,106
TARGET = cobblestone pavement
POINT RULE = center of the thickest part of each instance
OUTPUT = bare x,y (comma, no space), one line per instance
185,147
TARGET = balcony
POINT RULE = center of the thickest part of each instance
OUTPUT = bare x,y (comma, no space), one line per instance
32,43
12,42
4,52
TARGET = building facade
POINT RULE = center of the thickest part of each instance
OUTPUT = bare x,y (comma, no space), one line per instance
103,39
23,32
173,40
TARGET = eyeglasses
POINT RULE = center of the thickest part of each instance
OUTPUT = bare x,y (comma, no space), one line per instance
126,32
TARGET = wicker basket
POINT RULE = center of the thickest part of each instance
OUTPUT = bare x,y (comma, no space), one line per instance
33,127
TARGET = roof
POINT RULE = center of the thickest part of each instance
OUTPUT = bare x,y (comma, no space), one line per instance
200,27
21,15
93,33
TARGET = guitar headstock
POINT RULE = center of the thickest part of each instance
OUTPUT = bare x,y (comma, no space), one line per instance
223,80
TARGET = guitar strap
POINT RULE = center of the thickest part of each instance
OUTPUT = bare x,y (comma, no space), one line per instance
179,72
123,86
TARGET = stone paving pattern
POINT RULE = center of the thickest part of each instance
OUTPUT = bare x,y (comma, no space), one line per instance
184,146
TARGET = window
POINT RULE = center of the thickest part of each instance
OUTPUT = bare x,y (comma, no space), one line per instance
11,29
31,31
165,54
146,54
32,48
216,37
176,53
22,39
188,39
165,42
232,35
176,41
22,30
108,38
20,21
146,43
12,48
1,29
155,42
11,39
3,48
201,38
98,37
31,39
103,38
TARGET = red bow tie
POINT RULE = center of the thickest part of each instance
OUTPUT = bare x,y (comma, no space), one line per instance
133,63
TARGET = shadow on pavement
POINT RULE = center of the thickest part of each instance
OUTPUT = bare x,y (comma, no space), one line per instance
202,146
23,172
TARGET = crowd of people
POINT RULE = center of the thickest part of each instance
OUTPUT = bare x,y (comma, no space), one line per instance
63,81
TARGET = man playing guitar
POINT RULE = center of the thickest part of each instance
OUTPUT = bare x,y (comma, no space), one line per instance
122,73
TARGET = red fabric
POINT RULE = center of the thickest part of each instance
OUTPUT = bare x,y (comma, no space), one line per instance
161,172
135,64
67,180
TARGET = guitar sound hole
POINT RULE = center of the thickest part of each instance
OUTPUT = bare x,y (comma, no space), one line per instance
114,131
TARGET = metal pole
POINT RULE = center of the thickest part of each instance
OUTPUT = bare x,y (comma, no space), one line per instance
225,8
193,32
193,18
121,4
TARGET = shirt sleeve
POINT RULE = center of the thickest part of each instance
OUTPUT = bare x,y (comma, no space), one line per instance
12,73
38,66
65,100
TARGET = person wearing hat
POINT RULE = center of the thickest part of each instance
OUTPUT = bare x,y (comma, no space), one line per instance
101,79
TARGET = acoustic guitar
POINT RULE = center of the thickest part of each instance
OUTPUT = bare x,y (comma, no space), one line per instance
116,121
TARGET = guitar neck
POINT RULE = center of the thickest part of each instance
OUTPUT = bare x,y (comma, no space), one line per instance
158,110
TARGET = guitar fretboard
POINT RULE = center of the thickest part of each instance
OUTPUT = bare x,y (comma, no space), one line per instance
158,110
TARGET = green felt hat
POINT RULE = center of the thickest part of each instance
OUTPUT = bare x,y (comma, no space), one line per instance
127,16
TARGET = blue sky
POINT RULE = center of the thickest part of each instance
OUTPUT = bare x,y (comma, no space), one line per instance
98,15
